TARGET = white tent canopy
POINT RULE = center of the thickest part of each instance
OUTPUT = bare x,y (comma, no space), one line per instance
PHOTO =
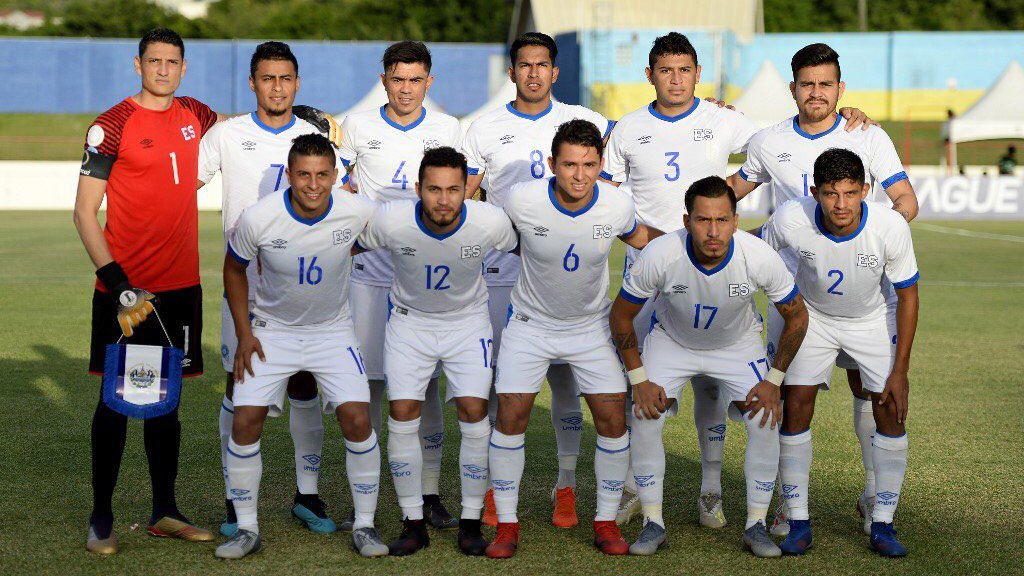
376,98
504,95
997,114
766,99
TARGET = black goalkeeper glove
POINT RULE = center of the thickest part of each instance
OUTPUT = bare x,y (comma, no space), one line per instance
134,305
322,120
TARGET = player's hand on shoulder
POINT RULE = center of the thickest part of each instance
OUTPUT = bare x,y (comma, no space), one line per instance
856,117
897,390
649,400
766,396
720,103
324,122
248,344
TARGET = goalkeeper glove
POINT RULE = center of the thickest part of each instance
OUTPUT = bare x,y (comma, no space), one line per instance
133,304
322,120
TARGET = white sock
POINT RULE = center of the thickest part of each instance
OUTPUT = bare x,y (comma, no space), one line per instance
864,426
630,480
507,459
473,466
306,424
432,438
405,458
362,464
378,390
795,470
709,414
890,455
611,460
227,419
245,468
647,451
567,420
760,468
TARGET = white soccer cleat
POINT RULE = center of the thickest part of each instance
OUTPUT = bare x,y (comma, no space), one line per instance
865,507
709,506
780,526
629,507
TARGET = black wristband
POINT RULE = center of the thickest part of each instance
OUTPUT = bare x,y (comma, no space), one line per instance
113,277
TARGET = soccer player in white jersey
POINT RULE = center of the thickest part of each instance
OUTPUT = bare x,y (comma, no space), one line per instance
302,237
567,226
511,145
845,247
251,152
703,281
783,156
386,145
438,314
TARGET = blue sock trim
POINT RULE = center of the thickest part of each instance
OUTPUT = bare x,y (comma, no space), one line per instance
364,451
808,429
520,447
232,452
225,407
605,450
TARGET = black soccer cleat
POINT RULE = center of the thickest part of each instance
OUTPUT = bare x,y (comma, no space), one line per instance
413,537
471,540
436,514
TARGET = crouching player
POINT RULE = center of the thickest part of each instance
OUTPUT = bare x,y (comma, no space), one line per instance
303,239
438,314
845,246
705,278
559,311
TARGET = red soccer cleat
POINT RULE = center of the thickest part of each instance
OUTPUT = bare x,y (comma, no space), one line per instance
490,516
505,541
564,515
608,539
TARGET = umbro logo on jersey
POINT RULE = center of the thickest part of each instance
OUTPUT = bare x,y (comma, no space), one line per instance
702,134
540,231
785,157
279,243
248,145
807,255
645,139
507,139
407,251
146,143
679,289
374,144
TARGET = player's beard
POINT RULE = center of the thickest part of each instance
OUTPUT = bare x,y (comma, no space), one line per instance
274,112
441,222
817,114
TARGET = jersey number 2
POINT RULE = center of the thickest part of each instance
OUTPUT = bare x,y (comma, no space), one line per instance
832,288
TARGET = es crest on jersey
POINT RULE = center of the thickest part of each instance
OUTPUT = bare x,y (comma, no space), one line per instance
702,134
342,236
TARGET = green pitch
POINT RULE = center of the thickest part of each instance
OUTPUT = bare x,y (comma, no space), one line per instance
960,512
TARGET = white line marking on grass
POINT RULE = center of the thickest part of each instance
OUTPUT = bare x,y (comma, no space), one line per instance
968,233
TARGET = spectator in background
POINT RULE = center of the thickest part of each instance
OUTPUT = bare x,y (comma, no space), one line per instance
1008,163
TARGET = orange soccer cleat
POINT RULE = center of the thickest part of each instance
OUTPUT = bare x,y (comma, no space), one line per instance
608,539
505,541
490,516
564,515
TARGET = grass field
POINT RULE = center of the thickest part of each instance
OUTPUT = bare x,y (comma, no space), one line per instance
960,512
60,137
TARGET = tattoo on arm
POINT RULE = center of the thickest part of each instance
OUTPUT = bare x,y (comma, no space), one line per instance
794,313
624,340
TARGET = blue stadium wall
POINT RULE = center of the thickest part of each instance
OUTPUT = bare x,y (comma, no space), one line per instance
87,76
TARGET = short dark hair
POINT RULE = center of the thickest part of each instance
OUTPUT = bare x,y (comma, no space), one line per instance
312,145
671,43
709,187
272,51
406,52
578,132
161,35
443,157
815,55
533,39
837,164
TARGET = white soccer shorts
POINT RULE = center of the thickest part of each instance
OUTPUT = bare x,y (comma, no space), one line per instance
228,339
528,350
738,367
775,323
872,348
499,303
412,353
369,306
332,357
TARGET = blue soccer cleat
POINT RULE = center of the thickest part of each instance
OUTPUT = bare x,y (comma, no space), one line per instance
883,540
312,514
798,540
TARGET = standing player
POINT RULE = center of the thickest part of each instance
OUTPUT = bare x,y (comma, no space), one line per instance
142,155
386,144
783,155
251,152
303,238
662,149
846,246
560,312
704,280
510,146
439,314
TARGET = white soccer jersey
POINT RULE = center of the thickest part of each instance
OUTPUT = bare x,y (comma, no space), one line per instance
387,157
252,158
662,156
304,263
564,283
510,147
704,309
841,277
784,155
439,277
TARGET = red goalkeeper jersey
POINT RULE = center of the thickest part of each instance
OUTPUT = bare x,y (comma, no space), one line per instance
150,160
